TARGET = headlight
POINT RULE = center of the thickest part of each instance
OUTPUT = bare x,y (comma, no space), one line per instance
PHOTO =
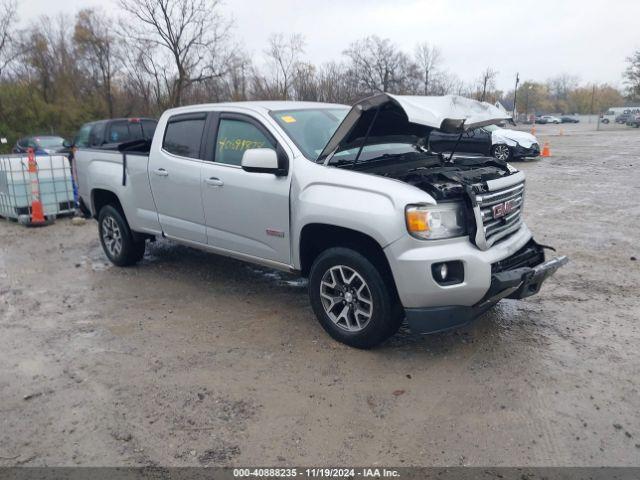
432,222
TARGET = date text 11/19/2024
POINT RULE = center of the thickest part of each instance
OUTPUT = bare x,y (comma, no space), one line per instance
315,473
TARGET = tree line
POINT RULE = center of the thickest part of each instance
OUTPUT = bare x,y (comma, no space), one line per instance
63,71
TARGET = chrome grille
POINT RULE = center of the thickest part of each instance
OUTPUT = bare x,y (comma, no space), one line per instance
490,229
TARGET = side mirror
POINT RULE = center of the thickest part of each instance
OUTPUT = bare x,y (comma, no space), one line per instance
261,160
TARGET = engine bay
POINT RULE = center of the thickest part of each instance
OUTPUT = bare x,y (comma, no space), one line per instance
442,178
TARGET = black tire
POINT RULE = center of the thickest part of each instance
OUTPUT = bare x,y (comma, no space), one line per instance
386,313
130,251
496,149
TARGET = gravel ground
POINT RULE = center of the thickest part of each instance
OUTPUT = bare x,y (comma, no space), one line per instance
194,359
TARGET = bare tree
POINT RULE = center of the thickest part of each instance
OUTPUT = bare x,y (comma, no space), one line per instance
559,88
377,65
305,82
237,77
486,83
98,52
192,33
427,57
450,84
8,22
632,76
284,54
335,84
142,83
48,57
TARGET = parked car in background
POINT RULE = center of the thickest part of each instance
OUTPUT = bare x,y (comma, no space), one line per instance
625,117
108,134
549,119
43,145
349,198
634,122
569,119
491,140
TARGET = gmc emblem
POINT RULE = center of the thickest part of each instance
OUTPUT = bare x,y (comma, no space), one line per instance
502,209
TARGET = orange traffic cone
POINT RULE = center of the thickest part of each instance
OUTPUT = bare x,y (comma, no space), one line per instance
37,213
546,151
533,130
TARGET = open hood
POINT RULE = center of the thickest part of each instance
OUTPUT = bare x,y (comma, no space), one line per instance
386,118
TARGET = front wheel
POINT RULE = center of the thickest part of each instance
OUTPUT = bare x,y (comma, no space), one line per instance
118,242
501,152
351,299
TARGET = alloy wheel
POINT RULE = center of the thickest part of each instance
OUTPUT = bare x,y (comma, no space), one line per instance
501,152
346,298
112,236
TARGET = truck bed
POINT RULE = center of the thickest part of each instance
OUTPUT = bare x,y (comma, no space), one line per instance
126,171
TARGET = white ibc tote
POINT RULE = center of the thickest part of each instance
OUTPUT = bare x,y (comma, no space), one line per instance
54,179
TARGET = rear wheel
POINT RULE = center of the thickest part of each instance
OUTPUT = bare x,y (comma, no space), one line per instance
351,299
116,238
501,152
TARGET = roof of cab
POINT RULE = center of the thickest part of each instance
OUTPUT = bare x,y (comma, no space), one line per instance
261,106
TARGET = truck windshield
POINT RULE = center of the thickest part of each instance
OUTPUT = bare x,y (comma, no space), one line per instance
310,129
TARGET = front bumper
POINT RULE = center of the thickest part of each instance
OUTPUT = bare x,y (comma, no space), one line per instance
520,282
521,152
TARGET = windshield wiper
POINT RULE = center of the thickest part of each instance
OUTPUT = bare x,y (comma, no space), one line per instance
352,164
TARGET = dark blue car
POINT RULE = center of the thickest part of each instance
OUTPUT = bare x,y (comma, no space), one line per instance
43,145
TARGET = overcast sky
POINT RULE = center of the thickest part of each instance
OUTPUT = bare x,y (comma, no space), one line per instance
538,38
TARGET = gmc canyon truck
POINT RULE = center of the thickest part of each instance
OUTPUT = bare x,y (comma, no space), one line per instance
351,198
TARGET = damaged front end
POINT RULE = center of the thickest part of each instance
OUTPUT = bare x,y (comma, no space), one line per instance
389,136
517,276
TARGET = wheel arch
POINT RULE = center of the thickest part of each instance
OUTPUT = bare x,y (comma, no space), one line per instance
101,197
318,237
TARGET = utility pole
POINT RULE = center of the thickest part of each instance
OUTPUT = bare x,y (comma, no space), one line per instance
593,96
515,98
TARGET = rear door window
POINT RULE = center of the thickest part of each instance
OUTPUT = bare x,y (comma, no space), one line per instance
118,132
183,135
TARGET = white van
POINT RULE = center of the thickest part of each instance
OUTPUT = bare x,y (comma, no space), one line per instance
612,113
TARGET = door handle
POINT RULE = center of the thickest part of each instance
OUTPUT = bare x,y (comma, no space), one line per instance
214,182
161,172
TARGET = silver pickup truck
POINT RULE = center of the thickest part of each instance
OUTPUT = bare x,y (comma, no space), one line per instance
351,198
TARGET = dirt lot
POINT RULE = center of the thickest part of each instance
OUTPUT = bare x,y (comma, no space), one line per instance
194,359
